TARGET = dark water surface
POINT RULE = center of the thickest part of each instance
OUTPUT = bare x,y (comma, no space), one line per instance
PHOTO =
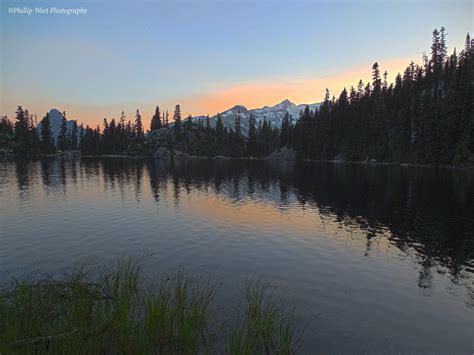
384,255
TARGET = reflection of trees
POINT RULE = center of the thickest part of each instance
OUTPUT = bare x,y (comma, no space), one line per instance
22,174
425,278
62,173
382,201
23,171
46,171
73,164
438,227
157,174
138,181
426,212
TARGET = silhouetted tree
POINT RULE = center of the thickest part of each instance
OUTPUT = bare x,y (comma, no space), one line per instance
47,135
156,120
62,138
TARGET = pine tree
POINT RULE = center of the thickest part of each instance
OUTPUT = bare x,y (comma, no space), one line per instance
62,139
435,49
156,120
376,81
166,119
73,142
252,149
443,48
138,126
220,134
21,128
285,131
187,131
6,126
47,134
122,119
177,122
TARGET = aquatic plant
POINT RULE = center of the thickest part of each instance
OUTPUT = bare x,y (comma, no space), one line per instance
116,310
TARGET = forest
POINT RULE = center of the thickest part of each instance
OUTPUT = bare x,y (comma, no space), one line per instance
424,116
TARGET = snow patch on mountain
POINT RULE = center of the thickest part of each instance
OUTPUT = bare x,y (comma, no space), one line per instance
274,114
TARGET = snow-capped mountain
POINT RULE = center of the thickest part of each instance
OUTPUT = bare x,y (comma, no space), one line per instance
274,114
56,118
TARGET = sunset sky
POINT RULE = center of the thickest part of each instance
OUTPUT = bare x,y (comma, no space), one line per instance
207,55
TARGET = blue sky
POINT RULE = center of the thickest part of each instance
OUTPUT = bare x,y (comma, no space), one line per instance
207,54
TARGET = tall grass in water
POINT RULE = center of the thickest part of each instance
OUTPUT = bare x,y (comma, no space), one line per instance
117,311
266,325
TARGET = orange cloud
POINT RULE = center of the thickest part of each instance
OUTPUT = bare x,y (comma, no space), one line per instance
258,94
251,94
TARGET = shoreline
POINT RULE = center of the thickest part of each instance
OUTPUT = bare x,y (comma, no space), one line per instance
468,167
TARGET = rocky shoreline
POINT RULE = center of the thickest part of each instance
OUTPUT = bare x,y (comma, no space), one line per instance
284,154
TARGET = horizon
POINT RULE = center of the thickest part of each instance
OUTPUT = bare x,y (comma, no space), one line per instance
329,209
196,58
170,111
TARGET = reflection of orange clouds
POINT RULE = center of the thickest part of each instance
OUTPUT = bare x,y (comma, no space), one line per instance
296,222
246,214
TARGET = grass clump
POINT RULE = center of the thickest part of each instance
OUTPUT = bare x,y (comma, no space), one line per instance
266,326
116,311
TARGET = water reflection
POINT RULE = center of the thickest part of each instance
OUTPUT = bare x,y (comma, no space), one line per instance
428,214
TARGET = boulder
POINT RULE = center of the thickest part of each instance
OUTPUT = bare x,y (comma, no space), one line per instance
162,153
220,157
282,154
180,155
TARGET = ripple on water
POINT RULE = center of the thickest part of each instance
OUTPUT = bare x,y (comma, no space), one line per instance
385,262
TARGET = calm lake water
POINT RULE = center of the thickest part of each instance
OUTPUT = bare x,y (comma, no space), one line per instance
384,256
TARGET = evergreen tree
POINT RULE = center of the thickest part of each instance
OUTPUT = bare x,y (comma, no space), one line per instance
188,125
6,126
47,134
376,81
166,119
21,129
177,122
138,126
285,132
122,119
252,141
74,137
62,138
156,120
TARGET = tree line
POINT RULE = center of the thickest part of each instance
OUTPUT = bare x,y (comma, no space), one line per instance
123,137
424,116
200,137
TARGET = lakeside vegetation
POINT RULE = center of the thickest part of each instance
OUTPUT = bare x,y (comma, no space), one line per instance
425,116
116,310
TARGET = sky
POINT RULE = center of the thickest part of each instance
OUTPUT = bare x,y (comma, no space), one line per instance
207,55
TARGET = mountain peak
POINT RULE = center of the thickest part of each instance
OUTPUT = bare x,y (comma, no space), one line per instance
56,118
285,104
55,111
239,107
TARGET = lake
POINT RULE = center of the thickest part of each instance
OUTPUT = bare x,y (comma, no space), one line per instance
377,258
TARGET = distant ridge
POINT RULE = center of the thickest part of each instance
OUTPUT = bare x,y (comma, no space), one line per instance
274,114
